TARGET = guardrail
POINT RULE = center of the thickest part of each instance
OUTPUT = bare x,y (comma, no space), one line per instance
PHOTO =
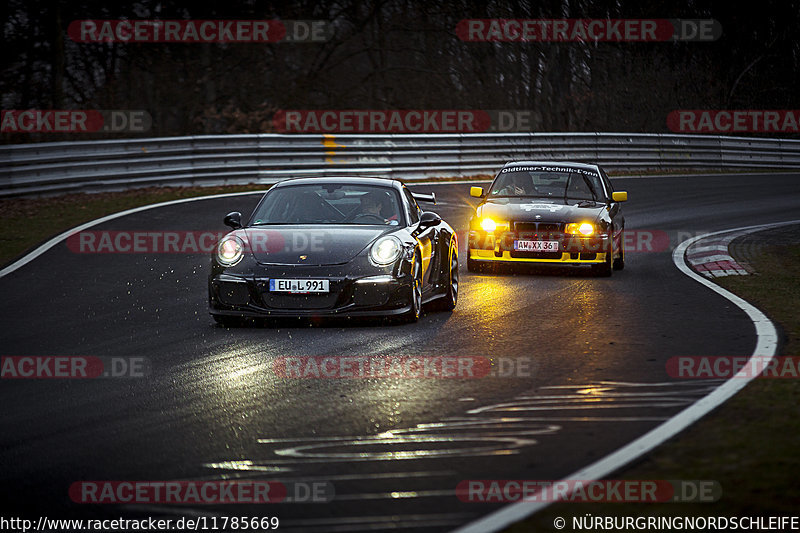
267,158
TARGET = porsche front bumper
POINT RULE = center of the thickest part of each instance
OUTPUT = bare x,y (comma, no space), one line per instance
240,296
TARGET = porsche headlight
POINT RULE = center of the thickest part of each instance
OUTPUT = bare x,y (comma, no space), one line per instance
385,251
580,228
230,251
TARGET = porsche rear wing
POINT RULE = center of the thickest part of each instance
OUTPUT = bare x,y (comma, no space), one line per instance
424,197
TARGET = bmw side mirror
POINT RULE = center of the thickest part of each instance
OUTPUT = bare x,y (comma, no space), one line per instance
429,218
233,220
620,196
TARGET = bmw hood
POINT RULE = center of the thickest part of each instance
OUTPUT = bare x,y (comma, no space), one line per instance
539,210
310,245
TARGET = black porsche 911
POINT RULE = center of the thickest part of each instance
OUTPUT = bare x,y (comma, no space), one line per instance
548,212
317,247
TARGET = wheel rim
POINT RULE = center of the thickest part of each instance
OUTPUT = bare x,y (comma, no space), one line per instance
454,277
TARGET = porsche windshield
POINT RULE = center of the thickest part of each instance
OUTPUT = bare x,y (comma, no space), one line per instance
565,184
330,203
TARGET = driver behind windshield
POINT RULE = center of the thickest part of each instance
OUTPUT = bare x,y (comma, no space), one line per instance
372,204
518,184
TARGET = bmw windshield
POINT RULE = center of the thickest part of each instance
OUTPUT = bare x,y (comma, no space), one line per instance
537,182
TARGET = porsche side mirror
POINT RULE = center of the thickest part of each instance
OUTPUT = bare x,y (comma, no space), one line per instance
429,218
233,220
619,196
476,192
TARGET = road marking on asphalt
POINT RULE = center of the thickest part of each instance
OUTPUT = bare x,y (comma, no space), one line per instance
766,347
711,258
604,395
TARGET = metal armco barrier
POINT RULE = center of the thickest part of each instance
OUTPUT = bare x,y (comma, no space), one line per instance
268,158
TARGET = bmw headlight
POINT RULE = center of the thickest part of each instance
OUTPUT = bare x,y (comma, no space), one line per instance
385,251
487,224
582,228
230,251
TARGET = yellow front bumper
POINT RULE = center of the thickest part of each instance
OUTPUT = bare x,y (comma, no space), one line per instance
566,258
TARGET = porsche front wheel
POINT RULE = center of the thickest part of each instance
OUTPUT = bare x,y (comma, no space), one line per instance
416,291
450,298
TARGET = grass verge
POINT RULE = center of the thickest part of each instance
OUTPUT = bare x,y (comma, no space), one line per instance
27,222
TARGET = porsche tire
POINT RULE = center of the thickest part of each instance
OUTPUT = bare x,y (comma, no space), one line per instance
416,292
450,299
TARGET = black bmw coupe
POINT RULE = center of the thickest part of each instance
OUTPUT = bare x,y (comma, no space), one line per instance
548,212
316,247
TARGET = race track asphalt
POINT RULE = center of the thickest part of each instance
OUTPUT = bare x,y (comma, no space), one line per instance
394,449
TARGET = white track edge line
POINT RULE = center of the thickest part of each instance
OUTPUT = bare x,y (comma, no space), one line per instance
766,347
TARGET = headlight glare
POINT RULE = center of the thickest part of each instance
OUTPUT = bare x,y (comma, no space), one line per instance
385,251
487,224
580,228
230,251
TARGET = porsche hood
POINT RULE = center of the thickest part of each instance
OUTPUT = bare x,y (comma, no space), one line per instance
309,245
